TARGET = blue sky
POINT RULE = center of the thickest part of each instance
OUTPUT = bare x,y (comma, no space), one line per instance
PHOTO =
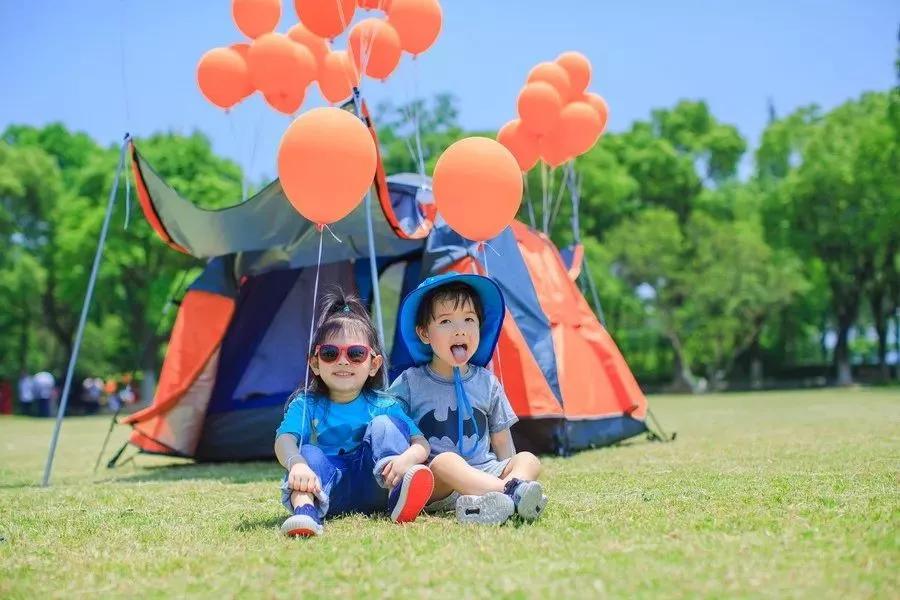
109,66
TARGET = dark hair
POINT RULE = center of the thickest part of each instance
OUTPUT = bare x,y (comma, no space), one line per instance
457,292
338,313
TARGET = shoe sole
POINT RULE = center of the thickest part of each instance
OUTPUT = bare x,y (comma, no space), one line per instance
493,508
415,491
531,500
301,526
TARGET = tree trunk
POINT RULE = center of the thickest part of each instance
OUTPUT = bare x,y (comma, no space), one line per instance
756,367
897,341
683,380
880,317
24,340
842,355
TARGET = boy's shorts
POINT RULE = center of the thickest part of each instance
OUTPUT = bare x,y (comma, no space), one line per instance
494,467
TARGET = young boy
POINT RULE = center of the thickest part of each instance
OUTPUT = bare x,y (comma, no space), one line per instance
451,324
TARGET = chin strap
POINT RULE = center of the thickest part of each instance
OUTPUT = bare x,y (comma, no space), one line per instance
463,408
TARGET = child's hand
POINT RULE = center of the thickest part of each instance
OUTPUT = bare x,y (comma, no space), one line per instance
394,471
302,479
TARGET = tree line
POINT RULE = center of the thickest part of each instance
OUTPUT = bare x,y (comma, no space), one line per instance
713,262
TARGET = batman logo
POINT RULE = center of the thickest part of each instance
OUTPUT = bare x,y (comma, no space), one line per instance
432,427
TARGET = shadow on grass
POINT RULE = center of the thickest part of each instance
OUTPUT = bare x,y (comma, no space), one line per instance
256,523
246,472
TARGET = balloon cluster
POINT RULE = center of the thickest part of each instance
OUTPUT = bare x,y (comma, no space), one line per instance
282,66
558,118
327,157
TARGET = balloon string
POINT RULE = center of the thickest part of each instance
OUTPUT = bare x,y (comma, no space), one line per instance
331,231
543,191
253,146
312,324
498,371
415,111
234,138
529,201
559,195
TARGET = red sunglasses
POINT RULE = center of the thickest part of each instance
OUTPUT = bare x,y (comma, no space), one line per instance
356,353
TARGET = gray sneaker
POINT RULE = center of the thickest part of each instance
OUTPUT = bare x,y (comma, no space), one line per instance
493,508
528,497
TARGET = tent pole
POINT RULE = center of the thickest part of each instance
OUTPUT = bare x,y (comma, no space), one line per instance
84,312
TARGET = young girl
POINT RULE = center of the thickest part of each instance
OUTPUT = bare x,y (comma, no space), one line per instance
347,446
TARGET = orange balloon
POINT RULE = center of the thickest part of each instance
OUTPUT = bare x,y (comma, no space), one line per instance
382,5
243,49
338,76
578,67
223,77
523,145
477,187
315,44
553,148
576,132
599,105
375,47
256,17
325,18
581,126
539,105
326,162
418,23
279,67
553,74
285,104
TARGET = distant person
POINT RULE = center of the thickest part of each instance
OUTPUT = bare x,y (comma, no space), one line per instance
44,387
91,393
26,394
111,388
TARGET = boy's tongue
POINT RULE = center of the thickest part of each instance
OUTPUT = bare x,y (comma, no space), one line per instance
459,353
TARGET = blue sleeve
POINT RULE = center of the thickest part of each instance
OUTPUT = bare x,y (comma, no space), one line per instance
293,421
400,390
396,410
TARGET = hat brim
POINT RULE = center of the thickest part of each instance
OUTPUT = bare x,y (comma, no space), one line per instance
492,303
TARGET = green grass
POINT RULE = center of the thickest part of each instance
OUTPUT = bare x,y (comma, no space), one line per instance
762,495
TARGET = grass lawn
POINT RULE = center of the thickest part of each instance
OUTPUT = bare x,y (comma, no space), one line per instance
763,495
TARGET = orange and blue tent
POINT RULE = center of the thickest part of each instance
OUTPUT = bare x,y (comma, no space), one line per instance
239,343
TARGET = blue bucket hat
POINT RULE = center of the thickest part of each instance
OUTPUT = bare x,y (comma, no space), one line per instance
492,304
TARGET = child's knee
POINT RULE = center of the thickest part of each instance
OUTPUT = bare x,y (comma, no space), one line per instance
530,461
383,425
444,461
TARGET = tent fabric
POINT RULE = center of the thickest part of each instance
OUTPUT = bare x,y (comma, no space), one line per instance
581,344
239,343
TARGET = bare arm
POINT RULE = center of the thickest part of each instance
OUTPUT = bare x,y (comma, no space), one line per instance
502,444
418,450
286,450
300,477
416,454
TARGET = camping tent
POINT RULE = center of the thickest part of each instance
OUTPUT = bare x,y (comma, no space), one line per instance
239,343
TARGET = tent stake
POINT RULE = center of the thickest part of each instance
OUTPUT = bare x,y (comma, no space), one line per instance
84,312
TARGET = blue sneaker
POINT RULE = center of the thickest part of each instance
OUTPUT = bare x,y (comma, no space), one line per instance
528,497
305,522
410,496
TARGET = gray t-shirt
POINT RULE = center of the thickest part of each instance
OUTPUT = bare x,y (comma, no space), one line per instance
431,402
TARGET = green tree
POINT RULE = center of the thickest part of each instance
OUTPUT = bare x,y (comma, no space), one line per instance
838,200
